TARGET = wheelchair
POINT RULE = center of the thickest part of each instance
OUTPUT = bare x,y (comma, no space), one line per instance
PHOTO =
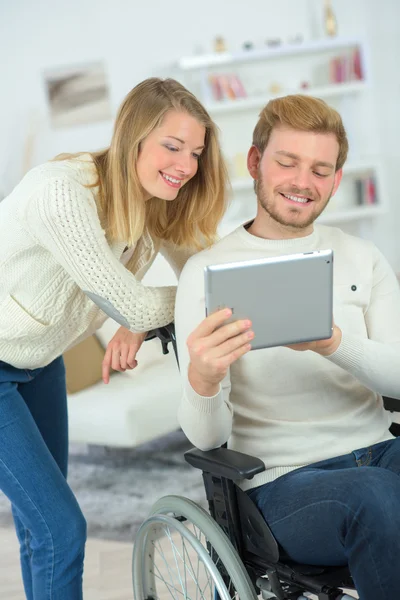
183,552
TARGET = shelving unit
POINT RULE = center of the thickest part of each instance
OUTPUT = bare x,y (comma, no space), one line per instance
206,61
296,68
257,102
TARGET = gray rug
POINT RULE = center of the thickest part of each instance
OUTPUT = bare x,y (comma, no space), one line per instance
116,487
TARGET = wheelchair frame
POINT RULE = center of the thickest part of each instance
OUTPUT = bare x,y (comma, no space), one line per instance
271,573
243,524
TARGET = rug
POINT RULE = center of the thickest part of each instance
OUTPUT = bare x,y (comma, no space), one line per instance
116,487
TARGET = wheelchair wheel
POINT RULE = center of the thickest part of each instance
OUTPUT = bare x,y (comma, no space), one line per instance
181,553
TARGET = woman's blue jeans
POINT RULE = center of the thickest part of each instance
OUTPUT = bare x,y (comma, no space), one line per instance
33,468
345,510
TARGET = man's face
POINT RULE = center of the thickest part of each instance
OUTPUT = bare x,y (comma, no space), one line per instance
295,176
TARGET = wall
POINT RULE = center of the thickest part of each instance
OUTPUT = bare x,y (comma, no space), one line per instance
136,38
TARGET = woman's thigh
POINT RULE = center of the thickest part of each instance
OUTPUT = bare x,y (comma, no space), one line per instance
46,398
29,475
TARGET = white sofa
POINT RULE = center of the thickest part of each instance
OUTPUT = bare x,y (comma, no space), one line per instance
136,406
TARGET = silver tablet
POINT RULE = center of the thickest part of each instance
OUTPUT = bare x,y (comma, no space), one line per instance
289,299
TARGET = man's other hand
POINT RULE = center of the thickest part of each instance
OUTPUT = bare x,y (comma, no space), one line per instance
322,347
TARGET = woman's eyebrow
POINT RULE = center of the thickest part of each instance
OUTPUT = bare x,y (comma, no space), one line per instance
182,141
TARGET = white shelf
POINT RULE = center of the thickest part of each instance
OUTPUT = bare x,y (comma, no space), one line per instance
327,91
205,61
359,168
352,169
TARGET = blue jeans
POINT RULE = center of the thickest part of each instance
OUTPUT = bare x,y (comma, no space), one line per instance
345,510
33,468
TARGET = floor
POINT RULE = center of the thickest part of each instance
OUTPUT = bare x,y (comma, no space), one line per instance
107,570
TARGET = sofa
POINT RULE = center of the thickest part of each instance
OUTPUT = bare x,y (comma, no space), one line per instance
136,406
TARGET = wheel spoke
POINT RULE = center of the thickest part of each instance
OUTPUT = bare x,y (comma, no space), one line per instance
186,552
191,572
188,569
161,553
199,534
212,553
202,539
168,586
175,556
184,562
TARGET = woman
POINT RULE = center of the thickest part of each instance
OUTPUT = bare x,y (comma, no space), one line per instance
76,237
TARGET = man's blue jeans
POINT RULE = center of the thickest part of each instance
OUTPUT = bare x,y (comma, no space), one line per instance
345,510
33,468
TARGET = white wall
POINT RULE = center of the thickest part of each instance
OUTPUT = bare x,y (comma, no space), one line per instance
134,38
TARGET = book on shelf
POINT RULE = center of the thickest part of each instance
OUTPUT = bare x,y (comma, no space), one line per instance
366,191
226,86
343,68
346,67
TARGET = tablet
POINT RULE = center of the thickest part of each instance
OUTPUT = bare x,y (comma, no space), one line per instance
289,299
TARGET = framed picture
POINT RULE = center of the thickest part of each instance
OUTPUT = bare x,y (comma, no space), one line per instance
78,95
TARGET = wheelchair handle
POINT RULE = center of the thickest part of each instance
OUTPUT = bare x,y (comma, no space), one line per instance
166,335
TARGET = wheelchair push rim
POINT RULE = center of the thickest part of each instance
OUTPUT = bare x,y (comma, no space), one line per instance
180,551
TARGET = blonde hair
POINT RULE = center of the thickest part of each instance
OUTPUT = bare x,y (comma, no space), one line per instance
192,218
301,113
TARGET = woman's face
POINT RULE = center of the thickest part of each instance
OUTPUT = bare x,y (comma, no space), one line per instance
169,155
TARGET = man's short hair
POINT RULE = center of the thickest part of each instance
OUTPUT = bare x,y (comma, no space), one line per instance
302,113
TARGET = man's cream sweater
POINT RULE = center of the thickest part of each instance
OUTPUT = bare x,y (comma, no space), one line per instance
293,408
57,270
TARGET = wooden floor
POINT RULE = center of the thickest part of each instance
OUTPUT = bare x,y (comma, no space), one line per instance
107,574
107,570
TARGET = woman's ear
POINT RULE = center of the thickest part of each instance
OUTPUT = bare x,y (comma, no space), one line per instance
253,161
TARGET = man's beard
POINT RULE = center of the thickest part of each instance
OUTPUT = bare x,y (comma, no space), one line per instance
274,213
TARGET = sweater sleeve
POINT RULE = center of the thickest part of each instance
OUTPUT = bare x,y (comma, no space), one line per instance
63,218
206,421
375,361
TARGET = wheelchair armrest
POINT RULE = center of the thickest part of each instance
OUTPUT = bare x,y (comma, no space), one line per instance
391,404
225,463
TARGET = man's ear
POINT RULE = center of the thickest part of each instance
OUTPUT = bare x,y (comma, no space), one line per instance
337,180
253,161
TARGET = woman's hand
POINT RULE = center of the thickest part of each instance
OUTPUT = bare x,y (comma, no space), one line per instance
322,347
121,352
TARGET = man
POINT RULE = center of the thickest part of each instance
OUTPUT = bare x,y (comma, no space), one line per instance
312,412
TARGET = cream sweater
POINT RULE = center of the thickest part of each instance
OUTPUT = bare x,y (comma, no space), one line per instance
60,278
294,408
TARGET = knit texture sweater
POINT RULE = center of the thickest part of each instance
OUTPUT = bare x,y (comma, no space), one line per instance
292,408
55,259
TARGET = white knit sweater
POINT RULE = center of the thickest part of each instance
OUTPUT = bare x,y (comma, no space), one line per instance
55,260
294,408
